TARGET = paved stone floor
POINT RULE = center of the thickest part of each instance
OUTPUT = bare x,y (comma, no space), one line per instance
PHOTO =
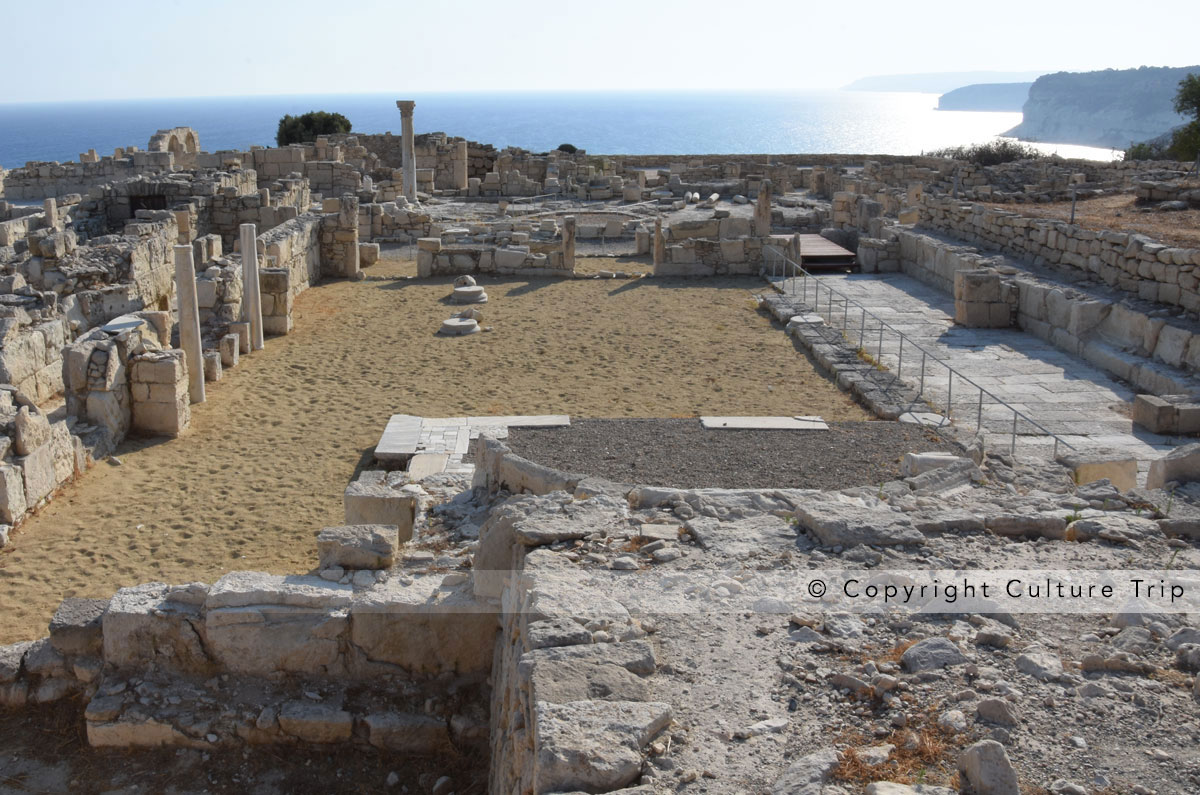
1066,396
450,437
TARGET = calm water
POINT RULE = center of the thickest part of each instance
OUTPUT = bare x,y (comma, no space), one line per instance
608,123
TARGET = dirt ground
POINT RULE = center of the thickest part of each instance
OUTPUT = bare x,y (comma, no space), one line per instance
1121,213
264,463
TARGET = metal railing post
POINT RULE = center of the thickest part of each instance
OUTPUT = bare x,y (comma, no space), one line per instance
1012,447
845,315
921,391
879,353
950,394
862,329
900,359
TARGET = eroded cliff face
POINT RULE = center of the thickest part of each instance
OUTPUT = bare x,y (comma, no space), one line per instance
1109,108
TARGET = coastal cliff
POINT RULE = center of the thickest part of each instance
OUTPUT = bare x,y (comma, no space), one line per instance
1108,108
986,97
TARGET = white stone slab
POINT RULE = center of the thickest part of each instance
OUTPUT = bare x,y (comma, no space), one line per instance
923,418
400,438
764,423
812,423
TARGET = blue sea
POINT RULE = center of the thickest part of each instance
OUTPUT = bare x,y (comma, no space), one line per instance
601,122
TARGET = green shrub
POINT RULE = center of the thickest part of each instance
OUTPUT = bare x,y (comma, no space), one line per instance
568,148
1146,150
993,153
1185,142
305,128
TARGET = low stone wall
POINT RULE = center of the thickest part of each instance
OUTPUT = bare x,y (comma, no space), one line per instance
392,221
436,259
1177,191
1131,262
41,180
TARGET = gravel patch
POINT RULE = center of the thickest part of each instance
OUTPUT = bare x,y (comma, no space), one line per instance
682,454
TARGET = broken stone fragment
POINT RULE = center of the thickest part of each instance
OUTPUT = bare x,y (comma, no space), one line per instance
359,546
931,654
988,770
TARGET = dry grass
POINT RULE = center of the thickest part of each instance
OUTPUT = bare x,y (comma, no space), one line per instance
924,753
1120,213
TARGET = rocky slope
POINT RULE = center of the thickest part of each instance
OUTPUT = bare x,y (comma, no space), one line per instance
1108,108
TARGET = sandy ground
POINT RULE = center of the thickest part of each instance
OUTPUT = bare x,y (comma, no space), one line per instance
264,463
1121,213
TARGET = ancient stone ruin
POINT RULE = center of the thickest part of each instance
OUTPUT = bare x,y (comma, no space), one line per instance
580,634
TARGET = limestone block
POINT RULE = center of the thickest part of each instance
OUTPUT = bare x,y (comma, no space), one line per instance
12,494
166,418
32,430
408,733
212,366
917,463
1154,414
315,722
164,367
242,331
594,746
262,624
62,448
368,254
405,625
109,410
228,347
155,624
359,546
1181,465
979,285
38,472
76,626
1171,345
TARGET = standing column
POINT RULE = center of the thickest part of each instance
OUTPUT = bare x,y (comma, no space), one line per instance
660,248
252,308
51,208
189,321
762,210
568,243
460,165
409,152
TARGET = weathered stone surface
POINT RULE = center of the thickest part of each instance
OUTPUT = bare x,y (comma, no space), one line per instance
556,632
264,624
132,731
408,733
931,654
1032,525
32,430
361,546
316,723
12,494
807,775
76,627
593,746
377,504
590,675
1040,665
10,660
998,711
38,471
1118,467
145,625
424,627
842,524
987,769
1181,464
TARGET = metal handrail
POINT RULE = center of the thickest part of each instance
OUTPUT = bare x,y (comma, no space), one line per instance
774,255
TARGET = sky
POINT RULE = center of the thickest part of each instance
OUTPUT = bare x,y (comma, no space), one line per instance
171,48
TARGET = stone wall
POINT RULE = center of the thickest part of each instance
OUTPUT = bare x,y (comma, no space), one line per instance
40,180
293,250
1131,262
267,207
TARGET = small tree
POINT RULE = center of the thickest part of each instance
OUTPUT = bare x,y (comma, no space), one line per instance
568,148
305,128
1185,142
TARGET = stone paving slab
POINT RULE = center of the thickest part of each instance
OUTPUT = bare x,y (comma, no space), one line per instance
1064,394
439,444
400,438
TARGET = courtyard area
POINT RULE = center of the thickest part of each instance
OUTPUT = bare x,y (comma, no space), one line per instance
291,425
